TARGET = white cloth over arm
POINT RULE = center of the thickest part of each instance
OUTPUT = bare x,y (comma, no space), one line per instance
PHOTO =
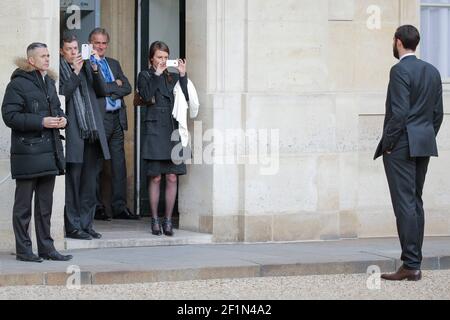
180,109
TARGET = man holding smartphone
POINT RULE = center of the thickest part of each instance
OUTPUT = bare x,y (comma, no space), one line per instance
82,84
114,113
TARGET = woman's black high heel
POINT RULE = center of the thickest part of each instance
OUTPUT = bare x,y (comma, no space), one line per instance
156,227
168,227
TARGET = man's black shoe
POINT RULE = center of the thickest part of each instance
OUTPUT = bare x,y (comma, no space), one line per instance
56,256
78,234
126,214
100,214
29,258
94,234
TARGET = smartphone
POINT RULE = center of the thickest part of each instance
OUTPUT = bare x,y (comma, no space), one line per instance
86,50
172,63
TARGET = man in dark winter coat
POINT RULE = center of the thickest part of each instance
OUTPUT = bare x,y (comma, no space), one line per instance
82,84
32,110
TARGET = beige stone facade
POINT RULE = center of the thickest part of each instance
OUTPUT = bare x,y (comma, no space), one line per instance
314,70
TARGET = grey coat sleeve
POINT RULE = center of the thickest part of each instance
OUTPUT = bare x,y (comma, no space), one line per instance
68,87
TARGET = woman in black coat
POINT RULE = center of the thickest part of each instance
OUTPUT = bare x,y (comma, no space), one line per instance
156,87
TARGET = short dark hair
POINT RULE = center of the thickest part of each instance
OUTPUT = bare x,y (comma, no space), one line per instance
33,46
99,31
67,38
409,36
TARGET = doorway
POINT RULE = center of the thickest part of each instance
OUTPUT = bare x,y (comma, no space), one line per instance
132,29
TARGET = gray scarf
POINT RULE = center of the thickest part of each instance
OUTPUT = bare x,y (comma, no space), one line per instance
83,105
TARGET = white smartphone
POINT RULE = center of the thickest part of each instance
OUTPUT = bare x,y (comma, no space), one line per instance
86,50
172,63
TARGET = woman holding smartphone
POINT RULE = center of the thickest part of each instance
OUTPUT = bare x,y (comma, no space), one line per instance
156,86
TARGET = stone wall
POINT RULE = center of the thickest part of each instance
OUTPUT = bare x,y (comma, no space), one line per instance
318,72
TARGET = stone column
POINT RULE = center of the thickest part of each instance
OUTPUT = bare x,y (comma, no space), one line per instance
196,189
118,17
23,22
250,59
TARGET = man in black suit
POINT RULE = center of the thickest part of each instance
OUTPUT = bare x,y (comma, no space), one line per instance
115,121
414,114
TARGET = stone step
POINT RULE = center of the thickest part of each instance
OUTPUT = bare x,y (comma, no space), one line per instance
134,233
129,239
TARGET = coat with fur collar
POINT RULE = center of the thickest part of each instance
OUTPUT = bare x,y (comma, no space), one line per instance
29,98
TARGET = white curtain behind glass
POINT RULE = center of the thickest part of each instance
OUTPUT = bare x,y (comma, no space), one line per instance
435,43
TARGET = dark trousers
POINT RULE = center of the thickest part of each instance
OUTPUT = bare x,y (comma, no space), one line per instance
116,138
80,190
406,178
43,202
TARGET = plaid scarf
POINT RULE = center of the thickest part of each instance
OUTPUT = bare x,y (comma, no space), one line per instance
83,105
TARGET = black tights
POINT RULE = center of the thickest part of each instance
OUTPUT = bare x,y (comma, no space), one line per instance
171,194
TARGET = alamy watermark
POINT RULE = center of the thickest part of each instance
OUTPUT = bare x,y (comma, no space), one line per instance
259,147
73,21
374,20
374,280
73,282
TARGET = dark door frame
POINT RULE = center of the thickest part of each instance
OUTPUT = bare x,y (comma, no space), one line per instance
142,32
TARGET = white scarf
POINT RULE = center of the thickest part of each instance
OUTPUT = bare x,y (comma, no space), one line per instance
180,109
